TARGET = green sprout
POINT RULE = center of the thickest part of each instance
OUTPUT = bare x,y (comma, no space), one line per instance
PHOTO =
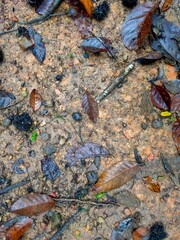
99,195
34,136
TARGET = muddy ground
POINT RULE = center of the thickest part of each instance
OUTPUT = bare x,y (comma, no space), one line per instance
125,123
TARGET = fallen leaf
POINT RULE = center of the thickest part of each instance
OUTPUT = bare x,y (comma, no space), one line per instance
116,176
175,104
151,184
88,4
6,98
176,134
35,100
173,86
150,58
137,25
90,107
45,6
19,166
38,50
49,168
84,151
32,204
165,4
16,231
160,97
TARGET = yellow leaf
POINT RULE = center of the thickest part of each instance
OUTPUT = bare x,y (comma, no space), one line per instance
165,114
88,4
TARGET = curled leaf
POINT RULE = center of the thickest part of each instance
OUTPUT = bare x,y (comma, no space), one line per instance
45,6
116,176
151,184
32,204
16,231
35,100
137,25
176,134
175,104
84,151
90,106
160,97
88,4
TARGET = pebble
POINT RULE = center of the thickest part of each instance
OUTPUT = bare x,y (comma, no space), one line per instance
44,111
6,122
56,139
77,116
97,161
85,55
32,153
144,126
157,123
62,141
45,136
49,149
92,177
59,77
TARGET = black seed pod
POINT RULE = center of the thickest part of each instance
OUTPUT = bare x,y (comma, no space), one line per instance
129,3
157,231
101,11
22,122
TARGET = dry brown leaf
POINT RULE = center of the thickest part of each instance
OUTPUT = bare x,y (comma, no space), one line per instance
116,176
151,184
32,204
18,229
88,4
35,100
165,4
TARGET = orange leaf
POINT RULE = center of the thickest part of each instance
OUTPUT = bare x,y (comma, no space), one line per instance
88,4
35,100
116,176
32,204
18,229
165,4
151,184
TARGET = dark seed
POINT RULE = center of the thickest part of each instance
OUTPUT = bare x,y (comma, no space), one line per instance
59,77
30,189
77,116
144,126
22,122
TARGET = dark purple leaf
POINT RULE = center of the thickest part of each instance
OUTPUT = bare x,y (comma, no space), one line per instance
45,6
173,86
167,35
176,134
19,166
150,58
137,25
98,44
6,98
38,50
35,3
160,97
49,168
84,151
175,104
90,106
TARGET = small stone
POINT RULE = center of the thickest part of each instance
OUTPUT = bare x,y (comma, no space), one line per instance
127,211
59,77
6,122
49,149
32,153
43,123
85,55
56,139
92,177
44,111
124,124
77,116
97,161
157,123
100,220
44,136
62,141
23,84
144,126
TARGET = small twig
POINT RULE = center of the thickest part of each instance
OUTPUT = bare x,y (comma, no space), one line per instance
85,202
115,82
67,224
15,185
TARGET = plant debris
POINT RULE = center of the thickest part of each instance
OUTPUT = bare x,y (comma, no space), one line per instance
22,122
35,99
6,98
49,168
157,231
1,55
101,11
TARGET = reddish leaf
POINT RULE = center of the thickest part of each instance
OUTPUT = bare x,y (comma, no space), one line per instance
90,106
88,4
175,104
116,176
138,24
84,151
176,134
35,100
151,184
32,204
150,58
160,97
18,229
165,4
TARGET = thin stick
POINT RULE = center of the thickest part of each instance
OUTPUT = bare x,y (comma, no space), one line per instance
85,202
67,224
115,82
15,185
